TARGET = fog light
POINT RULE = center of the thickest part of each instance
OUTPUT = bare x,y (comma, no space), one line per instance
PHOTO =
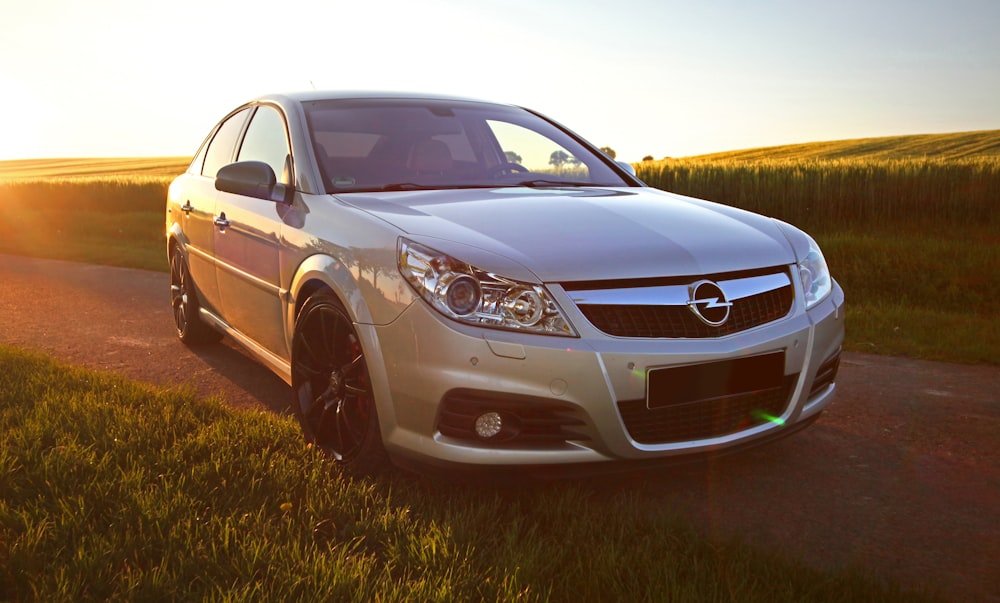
488,425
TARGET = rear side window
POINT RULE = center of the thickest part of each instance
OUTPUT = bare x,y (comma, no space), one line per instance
220,150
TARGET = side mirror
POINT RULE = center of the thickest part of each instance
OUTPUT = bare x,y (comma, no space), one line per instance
628,167
248,178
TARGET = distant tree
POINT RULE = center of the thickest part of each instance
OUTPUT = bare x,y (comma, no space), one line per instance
512,157
573,161
609,152
558,158
647,158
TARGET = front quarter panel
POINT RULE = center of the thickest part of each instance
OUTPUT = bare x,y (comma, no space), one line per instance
333,245
326,244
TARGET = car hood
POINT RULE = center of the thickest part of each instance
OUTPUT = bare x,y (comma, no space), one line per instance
583,234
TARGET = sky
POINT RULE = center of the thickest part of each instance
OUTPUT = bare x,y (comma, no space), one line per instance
667,78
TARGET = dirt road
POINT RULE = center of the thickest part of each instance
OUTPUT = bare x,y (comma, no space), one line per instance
900,477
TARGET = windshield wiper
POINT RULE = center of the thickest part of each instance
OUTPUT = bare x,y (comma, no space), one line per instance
541,183
413,186
406,186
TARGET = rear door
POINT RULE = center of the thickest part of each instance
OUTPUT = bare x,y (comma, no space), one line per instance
197,204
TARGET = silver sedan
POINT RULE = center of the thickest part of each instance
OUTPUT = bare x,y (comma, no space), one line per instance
453,283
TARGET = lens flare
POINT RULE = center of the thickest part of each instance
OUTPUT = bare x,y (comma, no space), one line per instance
760,414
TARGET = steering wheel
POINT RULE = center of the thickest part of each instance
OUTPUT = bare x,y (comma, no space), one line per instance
507,168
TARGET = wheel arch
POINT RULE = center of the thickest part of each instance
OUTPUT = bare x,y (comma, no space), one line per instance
323,272
175,239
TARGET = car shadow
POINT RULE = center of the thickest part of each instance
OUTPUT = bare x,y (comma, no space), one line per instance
253,385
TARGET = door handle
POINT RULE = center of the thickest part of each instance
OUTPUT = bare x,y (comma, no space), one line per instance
187,208
221,221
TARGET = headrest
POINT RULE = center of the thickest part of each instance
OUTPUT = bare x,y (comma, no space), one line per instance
430,156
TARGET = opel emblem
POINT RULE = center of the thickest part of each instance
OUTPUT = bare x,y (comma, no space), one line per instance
708,302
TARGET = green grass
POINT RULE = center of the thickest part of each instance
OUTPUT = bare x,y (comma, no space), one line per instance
102,211
116,221
114,491
923,293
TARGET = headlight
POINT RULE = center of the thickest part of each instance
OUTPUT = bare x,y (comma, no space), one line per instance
815,275
467,294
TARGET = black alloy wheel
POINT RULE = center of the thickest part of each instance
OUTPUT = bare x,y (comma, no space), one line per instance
333,396
184,304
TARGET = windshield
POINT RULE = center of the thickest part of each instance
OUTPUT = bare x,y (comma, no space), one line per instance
392,144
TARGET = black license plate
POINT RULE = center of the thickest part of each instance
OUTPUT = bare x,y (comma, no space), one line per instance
701,382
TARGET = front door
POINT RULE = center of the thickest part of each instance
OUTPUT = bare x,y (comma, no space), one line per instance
247,237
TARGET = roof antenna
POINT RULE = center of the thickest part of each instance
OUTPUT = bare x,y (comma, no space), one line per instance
312,84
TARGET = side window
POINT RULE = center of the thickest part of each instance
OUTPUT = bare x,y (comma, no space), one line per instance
220,150
536,151
266,140
199,160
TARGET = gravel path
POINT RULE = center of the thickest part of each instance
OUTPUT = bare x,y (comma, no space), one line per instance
900,477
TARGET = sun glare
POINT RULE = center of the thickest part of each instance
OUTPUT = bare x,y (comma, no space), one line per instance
19,138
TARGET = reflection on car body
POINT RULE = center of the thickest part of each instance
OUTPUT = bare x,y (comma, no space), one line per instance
450,282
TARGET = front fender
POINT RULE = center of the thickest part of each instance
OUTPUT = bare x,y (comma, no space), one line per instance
366,304
320,271
371,297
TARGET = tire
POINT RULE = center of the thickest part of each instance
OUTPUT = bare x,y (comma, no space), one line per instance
191,329
331,387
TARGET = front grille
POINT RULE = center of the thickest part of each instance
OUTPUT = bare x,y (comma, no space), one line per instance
528,421
700,419
679,321
674,319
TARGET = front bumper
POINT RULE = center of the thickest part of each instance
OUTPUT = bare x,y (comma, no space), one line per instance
581,386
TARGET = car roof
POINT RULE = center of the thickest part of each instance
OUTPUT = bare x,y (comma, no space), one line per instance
315,95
